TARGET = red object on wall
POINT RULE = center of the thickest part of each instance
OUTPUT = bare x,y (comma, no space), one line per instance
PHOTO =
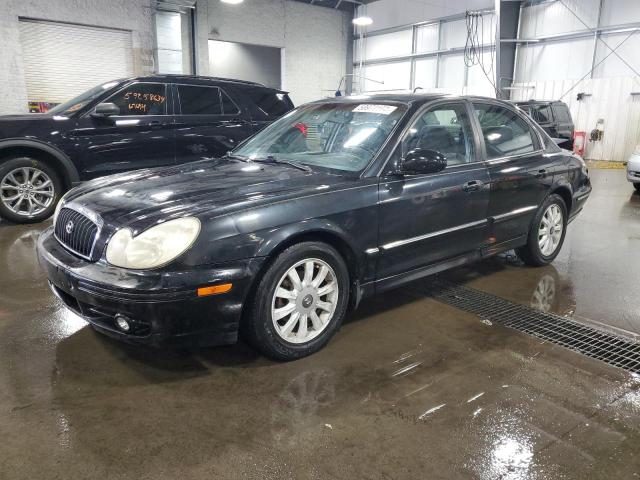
579,141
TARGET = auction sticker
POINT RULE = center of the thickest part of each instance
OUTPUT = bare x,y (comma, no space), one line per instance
375,108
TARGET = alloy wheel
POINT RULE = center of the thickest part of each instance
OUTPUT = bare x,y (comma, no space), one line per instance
550,230
27,191
304,301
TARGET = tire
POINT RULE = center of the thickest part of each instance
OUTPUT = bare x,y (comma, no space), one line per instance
284,338
533,253
636,185
41,196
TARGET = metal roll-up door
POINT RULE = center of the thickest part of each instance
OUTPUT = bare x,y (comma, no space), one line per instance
63,60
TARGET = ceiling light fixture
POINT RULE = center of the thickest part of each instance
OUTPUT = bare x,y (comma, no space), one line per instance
232,2
362,21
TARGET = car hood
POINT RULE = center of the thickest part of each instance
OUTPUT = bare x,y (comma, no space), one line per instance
206,188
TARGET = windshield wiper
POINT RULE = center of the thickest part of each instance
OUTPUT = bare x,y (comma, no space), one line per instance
274,160
235,157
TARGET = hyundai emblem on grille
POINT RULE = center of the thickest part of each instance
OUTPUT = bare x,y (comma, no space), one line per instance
69,227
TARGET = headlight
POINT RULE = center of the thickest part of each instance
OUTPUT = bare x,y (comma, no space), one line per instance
154,247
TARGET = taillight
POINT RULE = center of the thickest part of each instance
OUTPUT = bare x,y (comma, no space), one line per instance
302,127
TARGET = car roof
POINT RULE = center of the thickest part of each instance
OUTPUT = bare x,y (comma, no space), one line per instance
408,98
198,80
537,102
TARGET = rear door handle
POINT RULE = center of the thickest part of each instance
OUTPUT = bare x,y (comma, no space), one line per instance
472,186
541,173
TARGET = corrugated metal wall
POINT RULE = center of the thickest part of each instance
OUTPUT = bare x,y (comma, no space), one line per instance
610,100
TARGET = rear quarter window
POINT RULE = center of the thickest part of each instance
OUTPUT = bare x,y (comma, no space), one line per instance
562,113
268,104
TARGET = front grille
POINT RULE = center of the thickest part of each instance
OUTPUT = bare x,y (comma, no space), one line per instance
76,232
608,347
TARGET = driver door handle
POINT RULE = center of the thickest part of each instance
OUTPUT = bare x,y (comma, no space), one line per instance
472,186
541,173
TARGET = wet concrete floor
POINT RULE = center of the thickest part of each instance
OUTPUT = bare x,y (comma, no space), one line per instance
408,389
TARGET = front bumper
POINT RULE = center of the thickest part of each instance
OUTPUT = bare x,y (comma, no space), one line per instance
633,168
162,307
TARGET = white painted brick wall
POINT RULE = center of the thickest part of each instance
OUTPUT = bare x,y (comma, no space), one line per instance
315,40
134,15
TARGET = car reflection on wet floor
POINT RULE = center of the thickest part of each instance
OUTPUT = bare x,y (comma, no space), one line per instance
409,388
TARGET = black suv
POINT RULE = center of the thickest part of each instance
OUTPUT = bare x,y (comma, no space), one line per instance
554,118
125,125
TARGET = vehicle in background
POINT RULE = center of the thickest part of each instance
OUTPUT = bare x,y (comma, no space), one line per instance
554,117
122,125
633,168
340,199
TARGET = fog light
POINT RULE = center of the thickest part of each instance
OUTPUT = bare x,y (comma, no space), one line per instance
122,323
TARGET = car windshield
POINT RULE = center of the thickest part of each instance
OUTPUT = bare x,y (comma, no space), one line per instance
337,136
83,99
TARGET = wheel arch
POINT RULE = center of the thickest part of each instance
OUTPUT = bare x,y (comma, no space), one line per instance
564,191
53,156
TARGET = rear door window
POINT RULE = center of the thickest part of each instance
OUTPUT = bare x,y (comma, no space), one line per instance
269,104
542,114
199,100
505,133
228,105
562,113
141,99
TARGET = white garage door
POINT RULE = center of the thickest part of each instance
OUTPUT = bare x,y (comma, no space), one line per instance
62,60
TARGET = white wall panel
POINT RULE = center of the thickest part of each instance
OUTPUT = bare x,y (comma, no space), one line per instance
551,18
554,60
610,100
425,72
626,48
617,12
427,38
396,76
451,73
387,45
454,34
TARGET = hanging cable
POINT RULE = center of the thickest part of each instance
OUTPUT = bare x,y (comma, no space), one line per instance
474,50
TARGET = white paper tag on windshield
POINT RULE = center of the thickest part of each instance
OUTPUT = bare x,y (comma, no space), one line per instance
374,108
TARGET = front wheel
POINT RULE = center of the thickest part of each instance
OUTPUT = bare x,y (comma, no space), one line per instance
29,190
546,234
300,302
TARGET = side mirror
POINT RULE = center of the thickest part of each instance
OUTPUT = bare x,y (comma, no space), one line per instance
420,161
104,110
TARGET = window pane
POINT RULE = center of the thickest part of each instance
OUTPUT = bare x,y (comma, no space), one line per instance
427,38
505,133
387,45
270,104
199,100
396,76
444,129
228,106
426,69
141,99
562,113
543,114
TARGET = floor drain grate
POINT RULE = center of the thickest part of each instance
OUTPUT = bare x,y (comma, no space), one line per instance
610,348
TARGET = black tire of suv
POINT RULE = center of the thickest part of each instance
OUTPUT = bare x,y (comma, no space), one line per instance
636,185
11,164
257,327
531,253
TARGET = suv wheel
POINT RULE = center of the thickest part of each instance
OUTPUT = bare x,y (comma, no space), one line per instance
546,234
29,190
299,303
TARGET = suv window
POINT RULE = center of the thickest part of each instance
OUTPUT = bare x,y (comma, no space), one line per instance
197,100
445,129
542,113
562,113
141,99
269,103
228,106
505,132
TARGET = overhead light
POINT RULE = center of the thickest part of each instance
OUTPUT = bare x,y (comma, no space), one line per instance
362,21
232,2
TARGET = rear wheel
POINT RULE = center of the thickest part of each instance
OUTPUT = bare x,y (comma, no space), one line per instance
300,302
546,234
29,190
637,186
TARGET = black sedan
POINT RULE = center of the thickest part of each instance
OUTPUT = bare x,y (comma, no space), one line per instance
337,200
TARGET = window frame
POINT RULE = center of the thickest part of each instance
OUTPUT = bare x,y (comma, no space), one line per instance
178,102
537,139
130,84
478,157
